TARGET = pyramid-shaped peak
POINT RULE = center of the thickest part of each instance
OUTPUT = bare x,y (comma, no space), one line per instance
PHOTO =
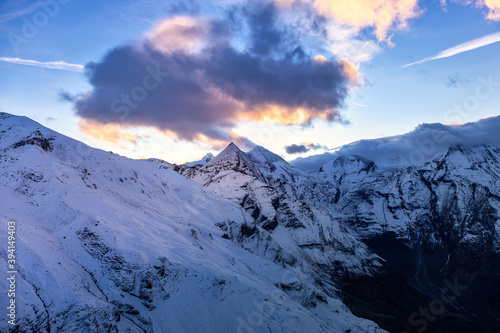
228,153
231,147
232,158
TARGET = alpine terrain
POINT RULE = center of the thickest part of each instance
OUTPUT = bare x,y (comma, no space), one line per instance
246,242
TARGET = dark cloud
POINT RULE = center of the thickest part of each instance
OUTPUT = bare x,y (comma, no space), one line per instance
265,36
296,149
303,148
207,93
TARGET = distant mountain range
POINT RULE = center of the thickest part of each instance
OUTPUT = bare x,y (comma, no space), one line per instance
246,242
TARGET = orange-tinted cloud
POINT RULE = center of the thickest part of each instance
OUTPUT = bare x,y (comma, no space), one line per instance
352,73
106,132
351,70
179,33
382,15
494,9
320,59
283,115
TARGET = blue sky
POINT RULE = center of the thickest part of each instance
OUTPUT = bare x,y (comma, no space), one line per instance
386,99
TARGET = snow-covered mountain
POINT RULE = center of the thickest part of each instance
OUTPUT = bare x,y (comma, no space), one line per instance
109,244
205,159
246,242
430,224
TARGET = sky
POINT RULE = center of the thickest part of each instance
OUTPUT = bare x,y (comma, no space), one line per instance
177,79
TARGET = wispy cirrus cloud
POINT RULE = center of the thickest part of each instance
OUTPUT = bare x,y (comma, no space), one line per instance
62,65
461,48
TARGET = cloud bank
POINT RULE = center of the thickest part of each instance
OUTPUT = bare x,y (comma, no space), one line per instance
415,147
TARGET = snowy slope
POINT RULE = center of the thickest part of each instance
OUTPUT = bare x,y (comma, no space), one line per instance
110,244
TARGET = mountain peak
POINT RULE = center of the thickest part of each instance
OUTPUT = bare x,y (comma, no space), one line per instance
468,156
230,150
231,147
227,154
232,158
